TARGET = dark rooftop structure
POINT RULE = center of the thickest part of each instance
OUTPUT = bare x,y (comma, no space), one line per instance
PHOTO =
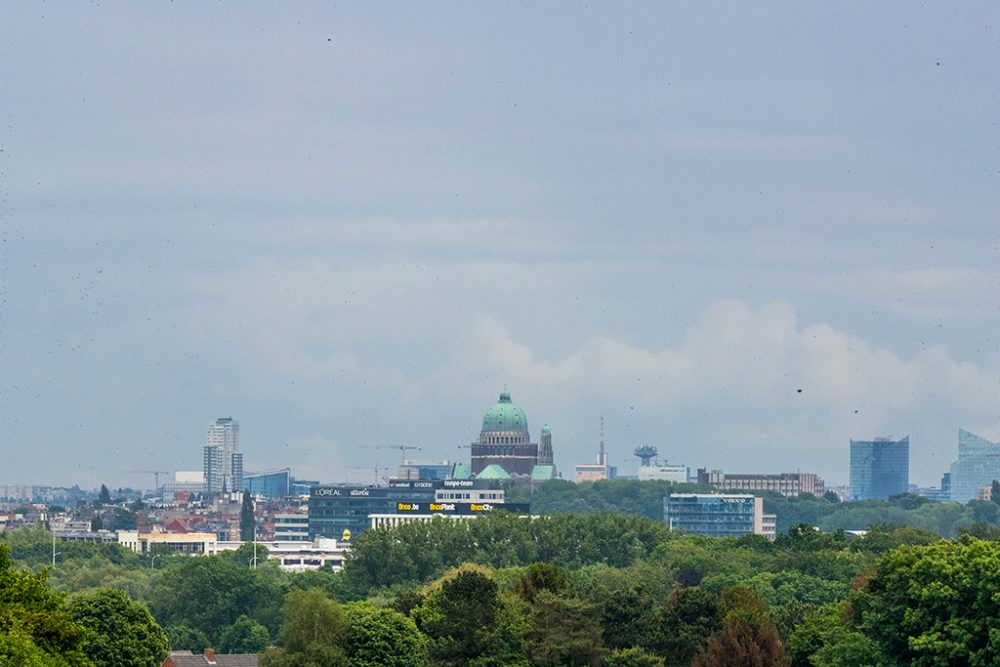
209,657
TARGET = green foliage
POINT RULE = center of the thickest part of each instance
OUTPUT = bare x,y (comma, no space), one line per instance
312,632
564,631
97,523
245,635
122,519
623,496
185,638
935,604
34,629
688,618
749,637
335,584
467,623
540,577
378,637
248,523
104,497
849,649
32,546
209,594
632,657
628,618
420,551
122,632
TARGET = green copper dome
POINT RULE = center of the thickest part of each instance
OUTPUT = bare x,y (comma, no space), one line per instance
505,416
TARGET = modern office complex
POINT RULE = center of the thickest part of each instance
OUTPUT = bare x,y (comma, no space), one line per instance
334,509
718,515
272,485
222,462
880,468
290,527
785,483
977,466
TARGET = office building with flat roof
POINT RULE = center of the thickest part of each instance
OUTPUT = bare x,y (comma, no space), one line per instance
271,485
718,515
785,483
334,509
880,468
978,464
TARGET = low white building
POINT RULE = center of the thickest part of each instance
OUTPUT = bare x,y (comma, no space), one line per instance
665,473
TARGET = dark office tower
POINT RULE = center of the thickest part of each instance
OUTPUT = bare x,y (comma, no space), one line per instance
880,468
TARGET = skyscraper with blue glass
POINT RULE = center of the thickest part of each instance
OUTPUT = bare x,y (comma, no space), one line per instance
977,466
880,468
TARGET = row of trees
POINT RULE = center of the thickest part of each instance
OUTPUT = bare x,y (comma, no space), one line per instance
645,498
564,590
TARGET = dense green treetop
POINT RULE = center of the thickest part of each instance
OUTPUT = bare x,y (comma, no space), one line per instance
122,632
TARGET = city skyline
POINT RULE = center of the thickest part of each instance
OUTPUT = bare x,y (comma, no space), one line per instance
740,234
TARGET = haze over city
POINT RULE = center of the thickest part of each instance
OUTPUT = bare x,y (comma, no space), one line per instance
742,234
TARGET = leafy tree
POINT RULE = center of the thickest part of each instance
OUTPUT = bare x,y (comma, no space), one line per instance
749,638
122,519
467,623
688,618
245,635
564,631
406,600
248,523
34,629
96,523
378,637
831,497
210,593
935,604
628,619
186,638
632,657
540,577
312,633
995,492
104,497
122,631
850,649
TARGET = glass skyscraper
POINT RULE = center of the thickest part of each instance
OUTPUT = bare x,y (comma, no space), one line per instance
880,468
977,466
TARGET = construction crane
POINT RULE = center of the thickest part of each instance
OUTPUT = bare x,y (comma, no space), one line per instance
155,473
375,467
402,450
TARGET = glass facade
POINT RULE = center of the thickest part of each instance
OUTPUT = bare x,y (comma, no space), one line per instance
880,468
977,466
332,509
715,515
272,485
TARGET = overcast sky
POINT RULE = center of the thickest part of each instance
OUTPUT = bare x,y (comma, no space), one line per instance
744,233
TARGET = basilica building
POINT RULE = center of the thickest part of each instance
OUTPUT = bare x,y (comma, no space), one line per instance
504,448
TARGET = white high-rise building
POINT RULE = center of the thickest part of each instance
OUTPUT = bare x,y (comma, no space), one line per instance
223,463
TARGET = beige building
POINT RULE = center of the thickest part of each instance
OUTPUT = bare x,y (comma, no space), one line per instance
785,483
